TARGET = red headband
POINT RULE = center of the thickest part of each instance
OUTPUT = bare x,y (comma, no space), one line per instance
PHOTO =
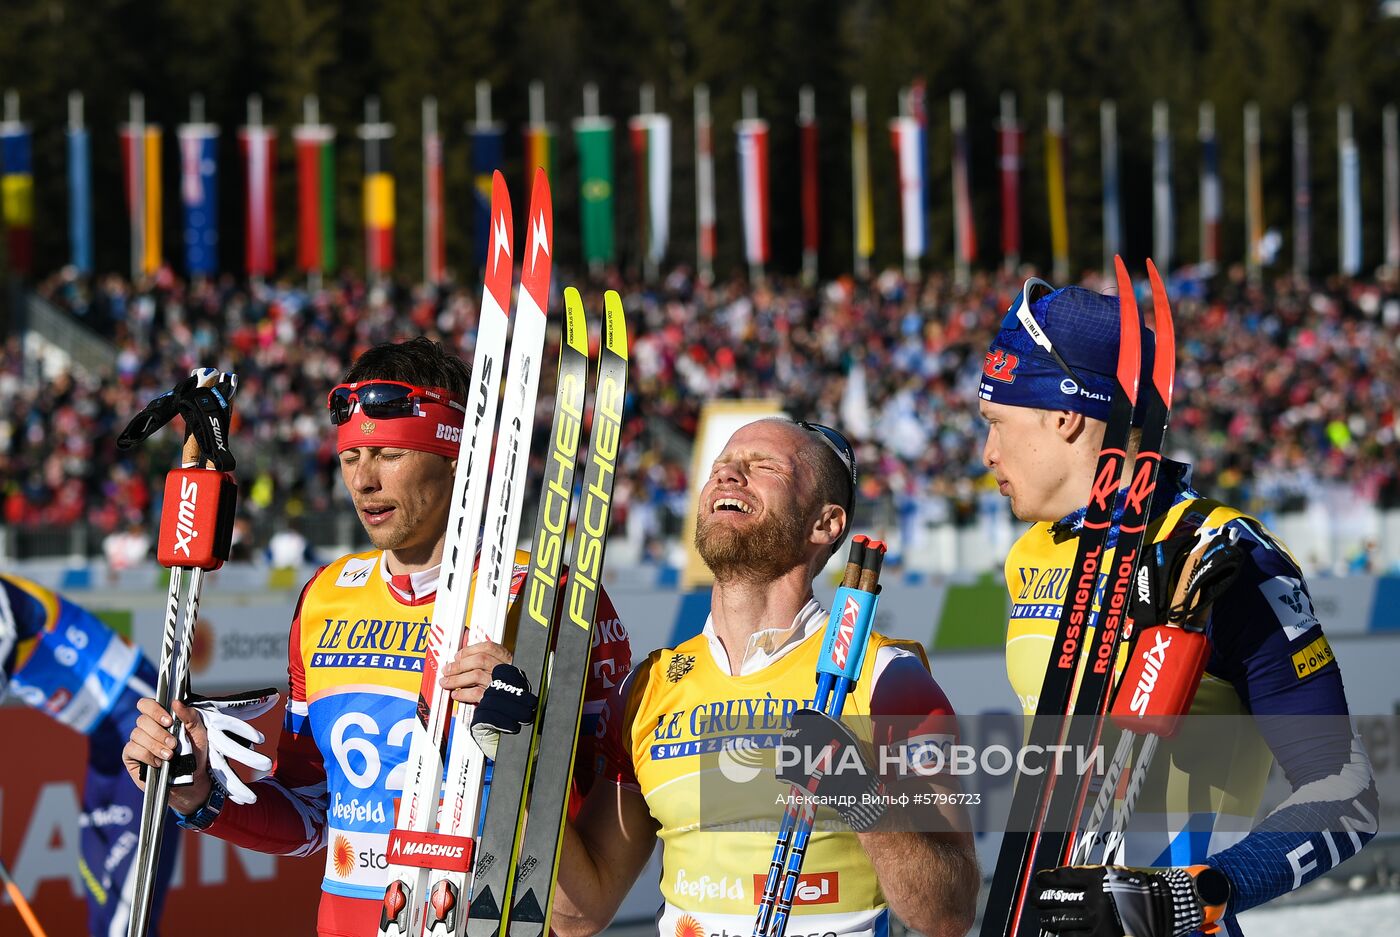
435,428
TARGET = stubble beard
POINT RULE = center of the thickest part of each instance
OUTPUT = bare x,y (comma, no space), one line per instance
761,552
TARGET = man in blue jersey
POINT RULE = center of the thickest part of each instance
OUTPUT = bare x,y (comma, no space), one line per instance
1192,860
60,659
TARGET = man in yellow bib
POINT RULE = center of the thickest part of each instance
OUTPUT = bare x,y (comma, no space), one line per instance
776,505
1194,861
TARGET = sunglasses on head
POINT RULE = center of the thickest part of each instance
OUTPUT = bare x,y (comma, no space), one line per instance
837,443
1019,316
381,399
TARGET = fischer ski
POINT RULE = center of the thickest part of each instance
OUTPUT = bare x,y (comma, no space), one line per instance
466,764
561,707
843,654
1006,898
410,853
539,597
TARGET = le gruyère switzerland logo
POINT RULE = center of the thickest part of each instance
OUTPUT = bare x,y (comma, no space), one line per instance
680,665
342,856
841,647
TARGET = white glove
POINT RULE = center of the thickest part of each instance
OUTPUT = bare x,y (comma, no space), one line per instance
230,737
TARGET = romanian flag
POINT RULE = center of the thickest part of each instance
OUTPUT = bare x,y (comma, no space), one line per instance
315,197
141,165
17,194
199,193
378,201
258,145
1055,184
753,188
863,208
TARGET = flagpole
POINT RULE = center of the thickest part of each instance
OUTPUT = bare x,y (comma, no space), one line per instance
755,223
962,209
593,135
378,195
1210,187
1349,205
136,172
1055,170
199,197
1161,187
1390,135
433,253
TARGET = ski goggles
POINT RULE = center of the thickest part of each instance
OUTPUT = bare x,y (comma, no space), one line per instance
1020,315
382,400
837,442
393,414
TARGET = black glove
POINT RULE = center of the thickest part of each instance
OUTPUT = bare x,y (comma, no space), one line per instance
824,758
1182,576
505,707
205,401
1113,901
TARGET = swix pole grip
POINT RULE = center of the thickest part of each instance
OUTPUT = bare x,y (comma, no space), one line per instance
196,522
1160,680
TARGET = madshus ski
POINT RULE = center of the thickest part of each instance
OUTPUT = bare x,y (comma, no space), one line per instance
412,846
561,707
1039,806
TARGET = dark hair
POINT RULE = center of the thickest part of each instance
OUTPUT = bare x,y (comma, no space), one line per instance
418,361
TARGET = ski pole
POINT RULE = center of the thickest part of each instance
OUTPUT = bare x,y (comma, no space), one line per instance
843,653
197,500
22,906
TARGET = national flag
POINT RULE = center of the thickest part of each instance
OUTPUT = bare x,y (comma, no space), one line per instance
199,193
1112,211
141,165
807,146
863,207
1391,181
651,148
1055,184
1009,146
753,189
907,137
258,146
1253,190
1210,187
315,145
594,138
1162,222
964,231
378,200
80,197
17,193
1302,194
539,150
487,147
704,184
1349,209
434,244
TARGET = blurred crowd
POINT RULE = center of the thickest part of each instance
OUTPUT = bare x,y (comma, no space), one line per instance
1286,391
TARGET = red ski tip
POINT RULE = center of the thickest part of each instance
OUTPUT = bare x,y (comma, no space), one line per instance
1129,333
1164,357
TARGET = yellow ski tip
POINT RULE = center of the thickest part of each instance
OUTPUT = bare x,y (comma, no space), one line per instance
615,324
575,321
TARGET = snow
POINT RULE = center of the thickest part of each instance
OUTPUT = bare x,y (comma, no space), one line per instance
1363,916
